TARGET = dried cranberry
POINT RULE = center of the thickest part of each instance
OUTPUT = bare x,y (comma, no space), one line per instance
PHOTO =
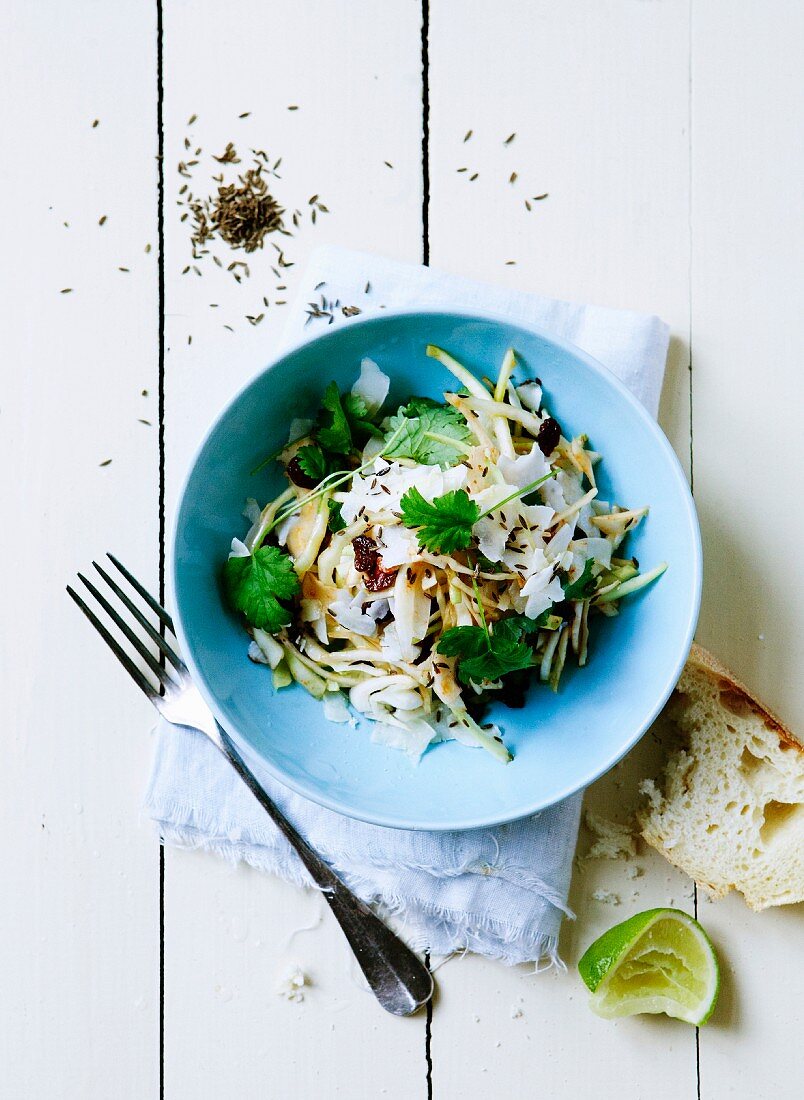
366,554
298,476
369,563
383,578
549,435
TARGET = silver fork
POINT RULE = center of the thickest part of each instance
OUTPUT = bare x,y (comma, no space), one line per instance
400,981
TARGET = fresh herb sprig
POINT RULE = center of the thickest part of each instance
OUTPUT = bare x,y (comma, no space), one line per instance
433,434
344,422
312,462
256,585
584,586
485,654
445,525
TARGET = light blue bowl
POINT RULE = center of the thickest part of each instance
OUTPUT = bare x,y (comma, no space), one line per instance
561,742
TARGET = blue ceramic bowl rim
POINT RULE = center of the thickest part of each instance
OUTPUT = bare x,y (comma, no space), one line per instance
483,317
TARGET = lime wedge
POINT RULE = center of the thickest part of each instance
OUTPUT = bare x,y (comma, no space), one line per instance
657,961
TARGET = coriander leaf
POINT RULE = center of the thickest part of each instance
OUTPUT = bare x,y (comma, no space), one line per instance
358,416
483,656
419,417
354,406
415,406
463,641
446,524
489,566
517,626
255,585
584,586
312,462
333,431
336,521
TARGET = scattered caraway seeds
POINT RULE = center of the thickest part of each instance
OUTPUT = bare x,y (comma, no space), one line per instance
366,291
510,138
144,393
146,422
240,215
467,135
95,123
538,198
102,220
474,177
66,290
319,285
229,328
512,177
387,164
192,119
147,248
318,311
189,339
351,311
241,211
293,107
510,263
228,156
461,169
106,462
122,269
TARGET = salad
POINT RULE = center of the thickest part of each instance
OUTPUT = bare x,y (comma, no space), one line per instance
425,561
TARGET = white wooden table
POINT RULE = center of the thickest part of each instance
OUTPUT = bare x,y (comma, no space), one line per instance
667,135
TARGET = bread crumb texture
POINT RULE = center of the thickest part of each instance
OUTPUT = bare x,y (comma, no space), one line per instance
611,840
730,810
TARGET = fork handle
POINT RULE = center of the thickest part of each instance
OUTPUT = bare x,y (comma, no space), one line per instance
398,978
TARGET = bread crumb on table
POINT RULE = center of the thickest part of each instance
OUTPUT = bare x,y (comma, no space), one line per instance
292,986
607,897
612,840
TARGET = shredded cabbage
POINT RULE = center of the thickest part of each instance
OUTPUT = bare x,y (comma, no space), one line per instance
375,602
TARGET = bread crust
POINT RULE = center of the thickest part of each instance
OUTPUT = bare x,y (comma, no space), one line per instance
735,697
701,658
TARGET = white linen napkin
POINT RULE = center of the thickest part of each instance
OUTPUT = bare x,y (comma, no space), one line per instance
500,892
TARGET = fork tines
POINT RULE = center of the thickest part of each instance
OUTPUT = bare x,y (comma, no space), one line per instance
150,659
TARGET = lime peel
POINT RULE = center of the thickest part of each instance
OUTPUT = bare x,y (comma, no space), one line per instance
657,961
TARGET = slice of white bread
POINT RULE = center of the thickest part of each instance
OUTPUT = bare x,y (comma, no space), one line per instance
731,814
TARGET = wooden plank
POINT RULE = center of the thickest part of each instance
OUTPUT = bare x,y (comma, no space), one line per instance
79,924
747,396
597,96
353,72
